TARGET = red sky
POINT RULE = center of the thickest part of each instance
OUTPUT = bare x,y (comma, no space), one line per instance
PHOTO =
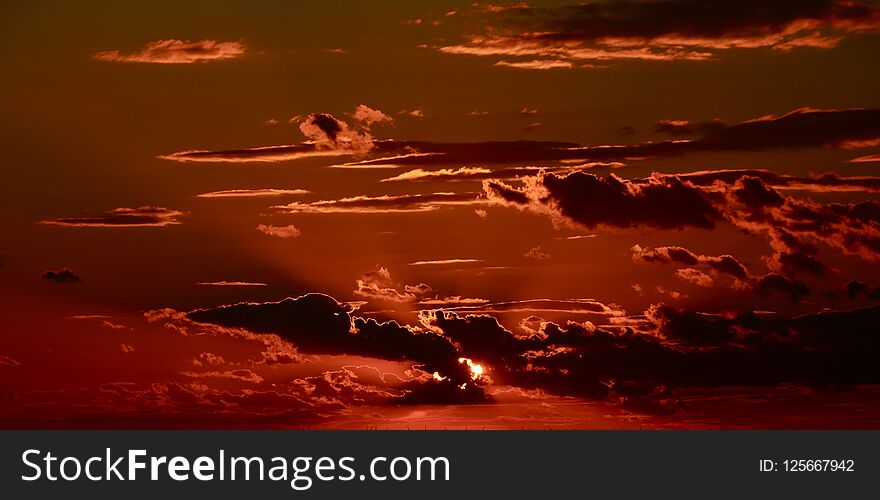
628,214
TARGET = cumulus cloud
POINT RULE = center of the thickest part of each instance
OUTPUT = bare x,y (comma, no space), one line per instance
326,136
123,217
173,51
368,116
791,225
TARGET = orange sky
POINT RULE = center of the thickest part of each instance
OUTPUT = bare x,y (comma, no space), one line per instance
689,197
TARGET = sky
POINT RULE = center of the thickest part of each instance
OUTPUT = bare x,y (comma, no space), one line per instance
613,214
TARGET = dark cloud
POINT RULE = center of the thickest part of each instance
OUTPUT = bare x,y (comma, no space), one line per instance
726,264
673,348
664,202
856,289
318,324
801,128
791,225
61,276
771,283
829,182
123,217
664,29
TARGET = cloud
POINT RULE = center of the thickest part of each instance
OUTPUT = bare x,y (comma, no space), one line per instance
668,348
474,174
289,231
61,276
443,262
378,285
385,203
856,289
318,324
825,183
240,375
726,264
471,153
663,30
662,201
537,253
369,116
329,133
331,137
572,306
177,52
866,159
123,217
771,283
679,128
801,128
230,283
252,193
326,134
8,361
536,64
694,276
266,154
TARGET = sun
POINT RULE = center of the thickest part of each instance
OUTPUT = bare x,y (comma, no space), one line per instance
476,369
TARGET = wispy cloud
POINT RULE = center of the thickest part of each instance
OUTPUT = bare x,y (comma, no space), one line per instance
443,262
252,193
177,52
230,283
385,203
123,217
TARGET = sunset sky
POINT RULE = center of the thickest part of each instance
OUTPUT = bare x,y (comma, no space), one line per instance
615,214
